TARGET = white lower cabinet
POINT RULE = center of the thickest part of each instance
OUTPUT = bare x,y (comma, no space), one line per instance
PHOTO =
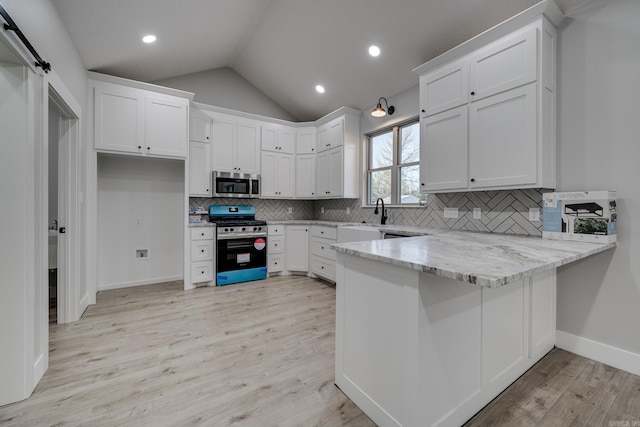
323,258
203,251
297,247
275,248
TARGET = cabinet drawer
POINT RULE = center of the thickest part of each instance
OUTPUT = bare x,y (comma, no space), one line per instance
322,248
202,250
201,271
202,233
321,267
276,230
275,245
275,263
324,232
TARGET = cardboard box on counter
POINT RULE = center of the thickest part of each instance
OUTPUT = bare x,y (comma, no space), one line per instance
588,216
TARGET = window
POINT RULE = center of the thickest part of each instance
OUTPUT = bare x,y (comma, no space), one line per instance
393,171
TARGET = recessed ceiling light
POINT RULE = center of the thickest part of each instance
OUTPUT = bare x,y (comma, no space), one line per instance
319,88
149,39
374,50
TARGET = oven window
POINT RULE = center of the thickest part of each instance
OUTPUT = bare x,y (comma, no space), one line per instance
241,254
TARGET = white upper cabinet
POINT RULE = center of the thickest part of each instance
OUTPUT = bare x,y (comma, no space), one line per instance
278,175
306,176
331,134
136,121
200,127
199,169
444,88
278,138
306,140
235,145
488,117
505,64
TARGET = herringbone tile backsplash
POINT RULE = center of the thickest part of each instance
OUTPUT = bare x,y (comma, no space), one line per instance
504,212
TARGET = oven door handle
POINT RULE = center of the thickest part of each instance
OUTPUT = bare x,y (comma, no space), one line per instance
241,236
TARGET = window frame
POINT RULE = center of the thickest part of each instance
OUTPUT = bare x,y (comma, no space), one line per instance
395,166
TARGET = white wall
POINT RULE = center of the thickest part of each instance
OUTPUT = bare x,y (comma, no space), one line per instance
140,206
599,149
223,87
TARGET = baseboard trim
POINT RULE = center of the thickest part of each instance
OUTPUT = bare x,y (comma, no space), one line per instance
603,353
110,286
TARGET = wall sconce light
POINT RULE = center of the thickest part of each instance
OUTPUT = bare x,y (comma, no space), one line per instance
381,112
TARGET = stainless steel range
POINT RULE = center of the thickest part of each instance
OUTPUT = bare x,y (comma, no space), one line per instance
241,244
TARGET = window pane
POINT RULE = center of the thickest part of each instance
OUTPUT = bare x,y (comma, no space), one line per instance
380,186
382,150
410,143
409,184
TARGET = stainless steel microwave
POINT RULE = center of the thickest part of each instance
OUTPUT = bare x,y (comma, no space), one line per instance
237,185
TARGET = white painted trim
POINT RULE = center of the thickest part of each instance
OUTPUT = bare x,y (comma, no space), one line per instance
155,281
140,85
600,352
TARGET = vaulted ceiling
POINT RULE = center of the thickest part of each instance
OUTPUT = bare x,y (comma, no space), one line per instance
283,47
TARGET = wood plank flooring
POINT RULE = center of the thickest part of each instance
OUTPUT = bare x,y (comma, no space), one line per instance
260,354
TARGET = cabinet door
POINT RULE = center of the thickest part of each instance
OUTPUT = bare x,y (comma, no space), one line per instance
166,126
297,248
336,133
504,64
200,128
286,137
224,135
119,118
247,150
306,141
444,88
443,151
268,176
306,176
285,174
323,184
324,138
199,169
503,139
336,172
269,139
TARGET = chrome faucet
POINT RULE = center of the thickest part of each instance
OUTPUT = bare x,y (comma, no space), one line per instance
383,217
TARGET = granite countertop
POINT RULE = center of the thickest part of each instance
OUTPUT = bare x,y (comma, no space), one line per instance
484,259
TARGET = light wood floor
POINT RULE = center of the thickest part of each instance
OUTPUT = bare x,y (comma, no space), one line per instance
260,354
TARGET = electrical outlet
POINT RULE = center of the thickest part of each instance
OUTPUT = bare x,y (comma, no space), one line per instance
139,222
451,212
290,210
348,211
142,253
477,213
534,214
321,209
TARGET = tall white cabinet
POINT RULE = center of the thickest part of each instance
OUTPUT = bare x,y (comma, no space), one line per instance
487,111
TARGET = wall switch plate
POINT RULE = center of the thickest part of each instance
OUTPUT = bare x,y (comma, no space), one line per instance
534,214
290,210
477,213
322,209
451,212
348,211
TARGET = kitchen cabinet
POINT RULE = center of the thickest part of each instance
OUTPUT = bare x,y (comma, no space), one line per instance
275,248
235,145
337,160
280,139
278,175
323,258
306,140
297,247
305,176
134,121
202,254
199,169
488,117
200,127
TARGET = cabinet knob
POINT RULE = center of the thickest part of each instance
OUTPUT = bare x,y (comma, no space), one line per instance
202,272
312,149
473,180
148,148
207,190
202,250
423,110
139,147
202,234
422,183
207,137
472,93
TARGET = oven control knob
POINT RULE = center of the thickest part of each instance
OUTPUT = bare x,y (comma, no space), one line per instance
255,228
231,229
226,229
259,228
243,229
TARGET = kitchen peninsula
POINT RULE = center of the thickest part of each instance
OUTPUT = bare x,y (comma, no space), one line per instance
430,329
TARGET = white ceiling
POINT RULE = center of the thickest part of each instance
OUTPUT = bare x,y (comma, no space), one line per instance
283,47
